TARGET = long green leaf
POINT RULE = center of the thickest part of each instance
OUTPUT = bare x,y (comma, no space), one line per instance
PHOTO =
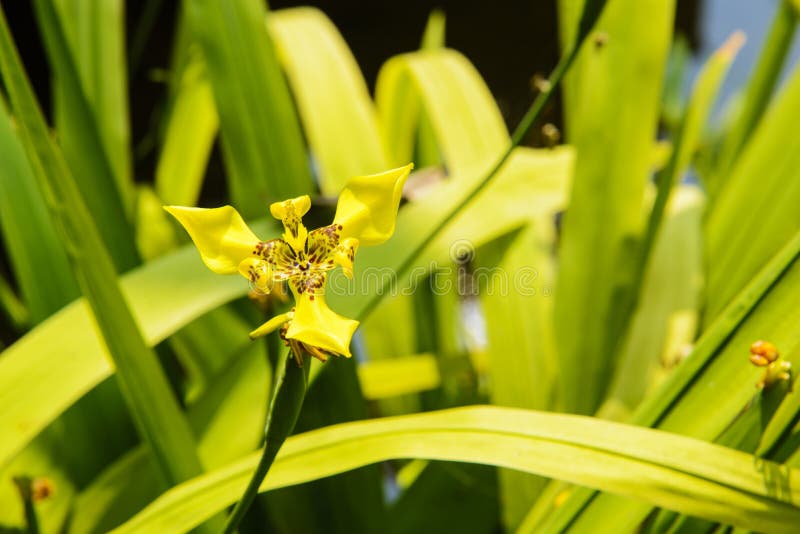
516,278
611,105
709,373
261,138
466,122
189,135
142,380
108,196
756,213
40,379
758,92
228,421
95,32
673,471
339,121
34,248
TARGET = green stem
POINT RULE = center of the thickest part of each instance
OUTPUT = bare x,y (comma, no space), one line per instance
291,382
591,13
25,488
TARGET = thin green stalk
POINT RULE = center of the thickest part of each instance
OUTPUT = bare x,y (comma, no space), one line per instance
591,12
291,382
25,488
759,90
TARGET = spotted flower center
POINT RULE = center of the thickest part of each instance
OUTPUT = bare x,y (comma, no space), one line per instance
303,263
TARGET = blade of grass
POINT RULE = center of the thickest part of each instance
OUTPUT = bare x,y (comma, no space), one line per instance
261,137
143,383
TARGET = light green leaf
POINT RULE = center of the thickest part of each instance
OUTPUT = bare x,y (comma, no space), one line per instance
465,120
756,212
33,244
189,135
82,105
398,376
338,116
611,99
672,471
261,137
758,92
40,379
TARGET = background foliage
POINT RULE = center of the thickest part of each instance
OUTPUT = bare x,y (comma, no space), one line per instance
657,245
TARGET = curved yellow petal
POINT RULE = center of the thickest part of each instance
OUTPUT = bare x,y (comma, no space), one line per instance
220,234
259,272
271,325
367,207
290,212
345,255
317,325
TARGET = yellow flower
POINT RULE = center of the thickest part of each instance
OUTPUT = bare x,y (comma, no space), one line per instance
365,215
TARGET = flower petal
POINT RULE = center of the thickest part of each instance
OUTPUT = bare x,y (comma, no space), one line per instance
367,207
290,212
271,325
259,272
280,257
317,325
220,234
345,255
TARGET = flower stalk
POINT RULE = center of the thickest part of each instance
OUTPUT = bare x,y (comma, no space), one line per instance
288,392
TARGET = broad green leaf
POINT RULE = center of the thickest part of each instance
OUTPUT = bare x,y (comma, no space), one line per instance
81,106
34,247
465,120
261,138
189,135
338,116
676,472
756,212
611,101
